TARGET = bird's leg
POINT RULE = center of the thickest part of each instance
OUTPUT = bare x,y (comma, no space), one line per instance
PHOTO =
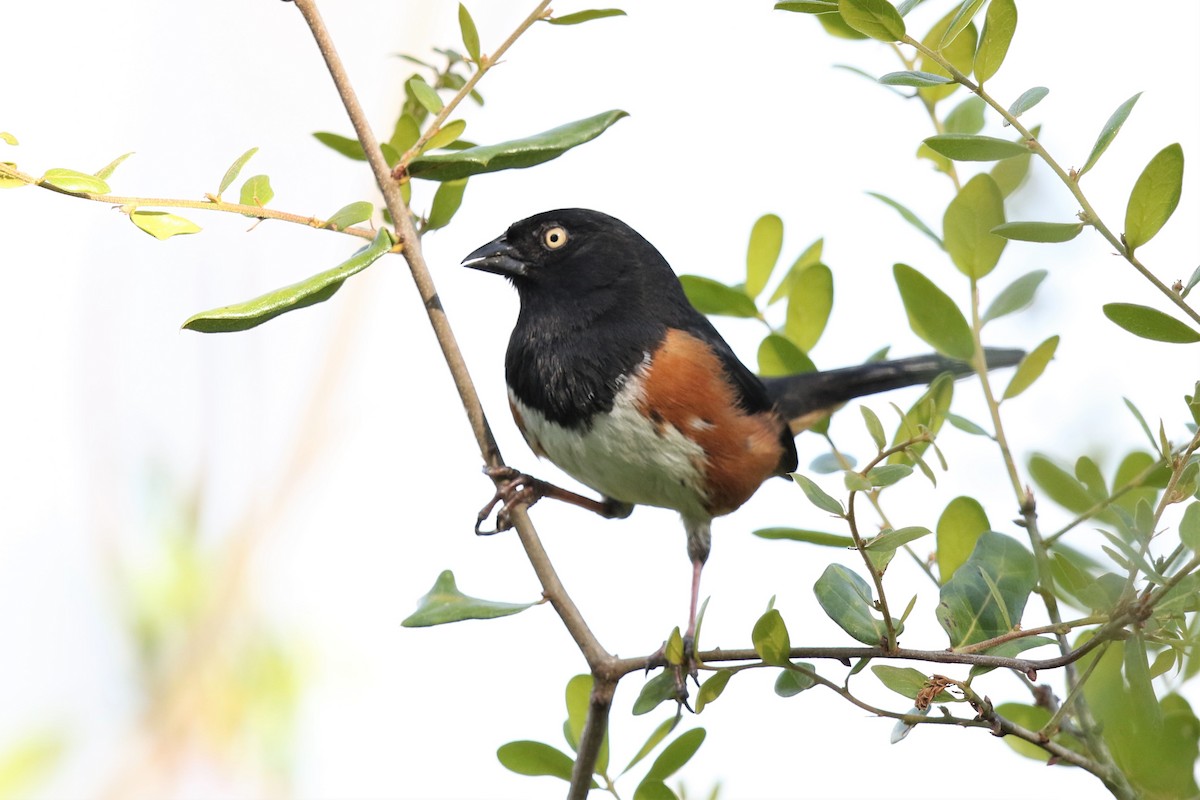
514,487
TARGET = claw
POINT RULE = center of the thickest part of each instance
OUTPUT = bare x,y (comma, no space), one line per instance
513,487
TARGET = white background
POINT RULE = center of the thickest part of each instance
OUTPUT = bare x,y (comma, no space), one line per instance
110,410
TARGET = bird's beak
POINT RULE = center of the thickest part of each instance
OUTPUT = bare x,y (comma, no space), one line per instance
497,256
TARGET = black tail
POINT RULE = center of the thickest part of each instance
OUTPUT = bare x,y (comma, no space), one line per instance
804,398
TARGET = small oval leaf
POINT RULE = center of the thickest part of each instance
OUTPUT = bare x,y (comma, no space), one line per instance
1109,132
1031,368
586,16
967,226
1016,296
766,242
1045,232
999,26
162,225
713,297
1155,196
972,147
914,78
1150,323
349,215
68,180
1028,99
875,18
932,315
235,169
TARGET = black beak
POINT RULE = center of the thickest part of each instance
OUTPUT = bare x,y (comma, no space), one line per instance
497,256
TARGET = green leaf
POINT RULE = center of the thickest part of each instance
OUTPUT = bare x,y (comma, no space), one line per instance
800,535
8,138
404,135
350,215
535,758
893,539
675,755
257,191
1011,173
426,95
907,681
810,257
446,201
1016,296
928,413
445,603
714,297
470,35
1150,323
578,696
959,53
770,638
1191,283
962,18
909,217
1028,99
766,242
68,180
235,169
877,19
517,154
792,682
808,6
778,356
966,117
712,688
1109,132
847,599
967,426
1045,232
107,170
661,732
657,690
316,289
1155,196
958,529
855,482
817,496
828,463
972,147
810,301
162,225
932,315
1031,368
999,26
348,147
448,134
1189,527
986,596
967,227
915,78
888,474
835,26
586,16
1059,485
874,427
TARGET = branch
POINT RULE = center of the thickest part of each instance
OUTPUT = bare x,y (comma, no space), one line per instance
1069,179
211,203
599,660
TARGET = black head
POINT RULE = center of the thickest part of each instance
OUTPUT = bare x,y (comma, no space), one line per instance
581,262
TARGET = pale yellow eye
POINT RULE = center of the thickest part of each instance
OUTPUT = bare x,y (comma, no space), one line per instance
555,237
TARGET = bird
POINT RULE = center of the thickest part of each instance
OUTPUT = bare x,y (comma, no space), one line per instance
618,380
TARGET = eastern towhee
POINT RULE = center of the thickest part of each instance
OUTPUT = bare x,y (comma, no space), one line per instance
617,379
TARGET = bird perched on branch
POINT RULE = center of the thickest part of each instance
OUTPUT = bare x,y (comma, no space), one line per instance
618,380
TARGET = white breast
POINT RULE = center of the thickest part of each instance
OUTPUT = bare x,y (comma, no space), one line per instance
623,455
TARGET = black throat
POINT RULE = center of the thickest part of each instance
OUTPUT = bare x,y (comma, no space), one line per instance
568,360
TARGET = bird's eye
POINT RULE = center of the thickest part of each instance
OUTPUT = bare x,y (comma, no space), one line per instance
555,237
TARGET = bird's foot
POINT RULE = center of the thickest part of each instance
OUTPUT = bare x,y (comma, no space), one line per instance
683,664
513,487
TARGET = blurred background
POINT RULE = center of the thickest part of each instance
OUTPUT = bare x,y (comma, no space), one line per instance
208,542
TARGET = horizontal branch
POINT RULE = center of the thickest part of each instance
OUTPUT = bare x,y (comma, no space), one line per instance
210,203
